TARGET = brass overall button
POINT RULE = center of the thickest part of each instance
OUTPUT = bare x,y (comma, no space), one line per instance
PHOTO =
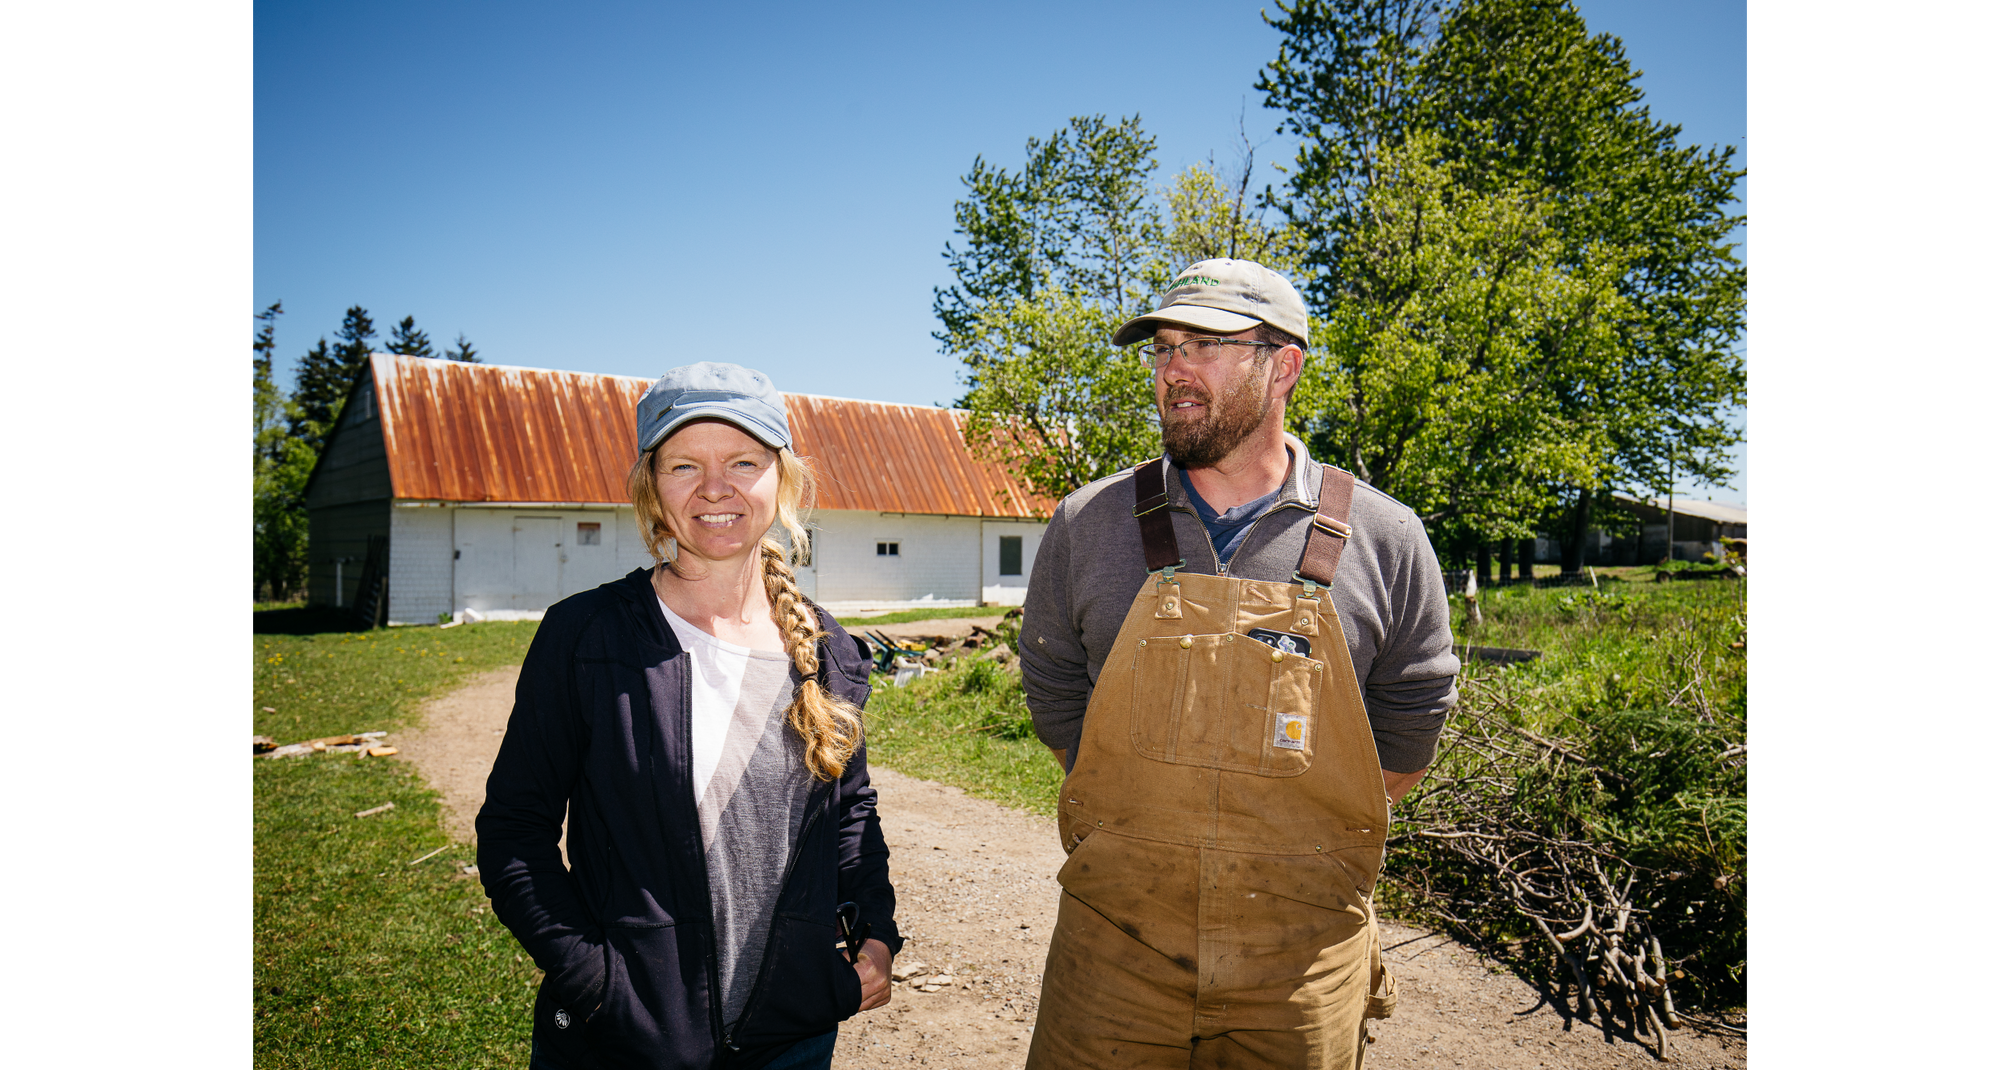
1187,641
1277,655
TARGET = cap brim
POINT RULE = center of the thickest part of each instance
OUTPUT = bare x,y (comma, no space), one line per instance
1199,317
771,437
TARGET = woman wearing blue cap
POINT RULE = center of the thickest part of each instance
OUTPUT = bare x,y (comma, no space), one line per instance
727,899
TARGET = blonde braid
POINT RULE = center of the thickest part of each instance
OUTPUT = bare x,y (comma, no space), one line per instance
829,725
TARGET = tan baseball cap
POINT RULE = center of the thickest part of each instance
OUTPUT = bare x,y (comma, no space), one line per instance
1224,296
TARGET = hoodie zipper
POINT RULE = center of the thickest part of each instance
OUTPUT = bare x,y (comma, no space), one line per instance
715,1025
764,963
791,862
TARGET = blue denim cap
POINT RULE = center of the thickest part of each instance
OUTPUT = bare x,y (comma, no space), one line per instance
709,389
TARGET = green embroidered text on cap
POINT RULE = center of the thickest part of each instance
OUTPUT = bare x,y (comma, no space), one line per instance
1221,296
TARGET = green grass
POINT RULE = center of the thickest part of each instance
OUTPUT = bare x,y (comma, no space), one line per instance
907,615
968,727
361,959
324,684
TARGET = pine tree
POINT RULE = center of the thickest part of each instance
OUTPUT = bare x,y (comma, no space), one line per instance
355,331
463,351
406,340
319,388
326,374
266,339
267,401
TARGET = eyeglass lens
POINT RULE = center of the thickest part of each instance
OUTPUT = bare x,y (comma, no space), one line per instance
1194,350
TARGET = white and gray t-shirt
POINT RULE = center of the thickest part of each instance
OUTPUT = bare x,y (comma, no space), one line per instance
750,788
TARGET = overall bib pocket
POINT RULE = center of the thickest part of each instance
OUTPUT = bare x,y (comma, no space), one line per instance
1225,701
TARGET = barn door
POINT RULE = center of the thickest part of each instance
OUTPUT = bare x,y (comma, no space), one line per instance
537,561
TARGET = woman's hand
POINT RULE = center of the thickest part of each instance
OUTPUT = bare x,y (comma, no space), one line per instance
873,968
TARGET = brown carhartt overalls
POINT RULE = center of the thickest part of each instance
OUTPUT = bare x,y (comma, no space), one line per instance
1225,821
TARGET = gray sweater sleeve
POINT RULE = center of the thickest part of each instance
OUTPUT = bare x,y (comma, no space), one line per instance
1054,666
1412,679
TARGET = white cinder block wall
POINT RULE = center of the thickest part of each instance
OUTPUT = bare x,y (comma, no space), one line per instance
449,558
419,564
937,556
444,559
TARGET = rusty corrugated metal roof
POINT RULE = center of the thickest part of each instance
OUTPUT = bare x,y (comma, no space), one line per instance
491,433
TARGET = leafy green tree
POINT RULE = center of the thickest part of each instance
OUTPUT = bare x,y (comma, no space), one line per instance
1077,217
1525,108
1054,398
1346,79
462,350
280,464
405,339
1439,380
1210,217
1055,256
1523,92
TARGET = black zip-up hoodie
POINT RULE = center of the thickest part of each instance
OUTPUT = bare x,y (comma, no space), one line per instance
626,936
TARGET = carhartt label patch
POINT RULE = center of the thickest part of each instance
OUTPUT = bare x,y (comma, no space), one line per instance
1291,732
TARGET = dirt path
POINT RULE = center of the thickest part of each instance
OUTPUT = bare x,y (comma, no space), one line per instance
976,892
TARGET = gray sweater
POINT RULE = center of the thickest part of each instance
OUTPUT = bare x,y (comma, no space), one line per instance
1388,592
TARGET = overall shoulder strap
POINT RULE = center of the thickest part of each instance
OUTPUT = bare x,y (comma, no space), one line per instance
1156,524
1329,533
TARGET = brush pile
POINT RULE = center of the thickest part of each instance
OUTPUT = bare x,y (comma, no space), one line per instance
1616,848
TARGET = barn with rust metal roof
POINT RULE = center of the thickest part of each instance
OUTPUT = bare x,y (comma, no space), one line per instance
478,491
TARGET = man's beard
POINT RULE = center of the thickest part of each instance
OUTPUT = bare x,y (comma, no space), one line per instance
1230,420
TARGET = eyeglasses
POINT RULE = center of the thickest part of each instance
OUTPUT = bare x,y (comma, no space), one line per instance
1196,351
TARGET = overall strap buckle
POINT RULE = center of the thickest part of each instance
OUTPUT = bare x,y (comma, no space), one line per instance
1330,531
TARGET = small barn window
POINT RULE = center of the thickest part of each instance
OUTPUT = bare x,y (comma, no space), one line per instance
888,549
590,534
1010,555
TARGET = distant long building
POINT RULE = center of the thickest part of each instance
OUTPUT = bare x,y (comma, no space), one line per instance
479,491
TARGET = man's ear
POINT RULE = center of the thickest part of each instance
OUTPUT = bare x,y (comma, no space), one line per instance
1291,362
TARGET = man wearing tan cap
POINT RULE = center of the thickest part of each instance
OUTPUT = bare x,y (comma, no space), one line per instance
1241,656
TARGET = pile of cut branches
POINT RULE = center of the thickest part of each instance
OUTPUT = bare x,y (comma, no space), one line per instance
1616,846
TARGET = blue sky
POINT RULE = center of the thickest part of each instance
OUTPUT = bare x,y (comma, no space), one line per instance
627,187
